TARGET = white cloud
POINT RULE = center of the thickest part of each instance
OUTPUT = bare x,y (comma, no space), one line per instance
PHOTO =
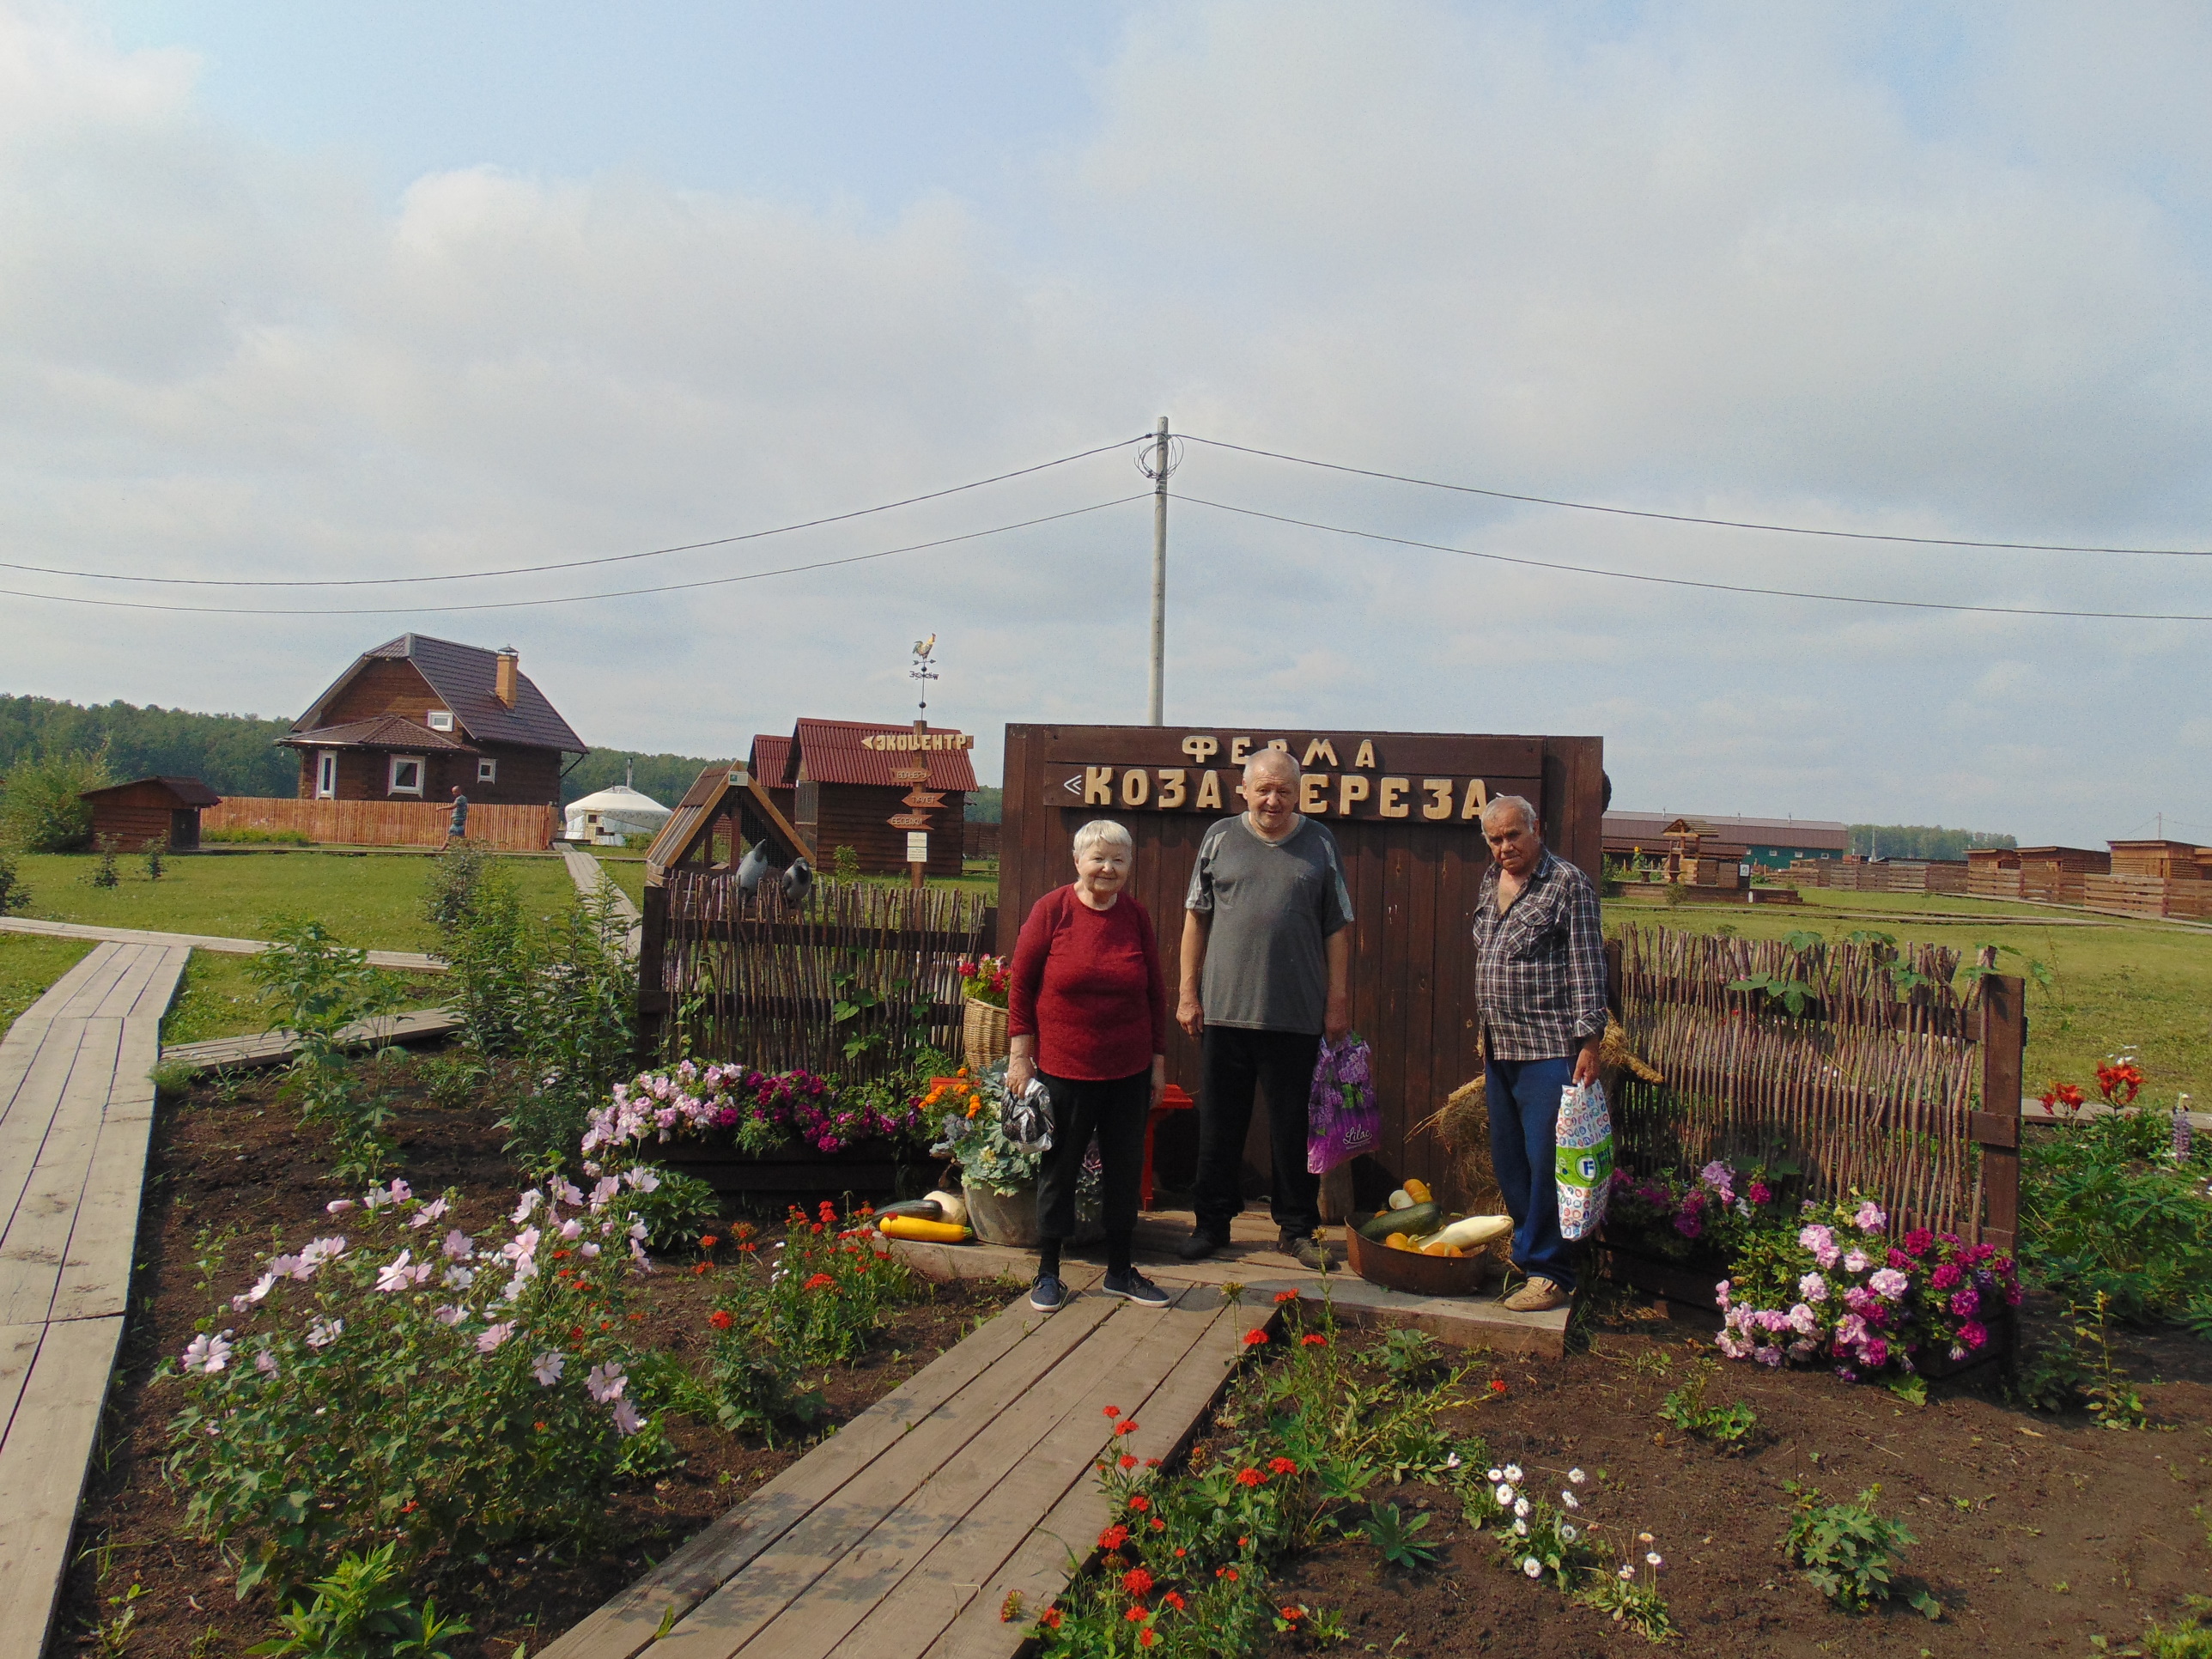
1745,265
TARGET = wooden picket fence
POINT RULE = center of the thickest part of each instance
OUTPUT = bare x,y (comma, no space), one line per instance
785,987
1896,1077
385,823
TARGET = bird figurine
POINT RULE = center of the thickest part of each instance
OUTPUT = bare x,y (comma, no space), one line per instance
752,867
797,882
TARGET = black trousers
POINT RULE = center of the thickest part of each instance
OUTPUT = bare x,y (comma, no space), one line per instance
1115,1111
1280,1064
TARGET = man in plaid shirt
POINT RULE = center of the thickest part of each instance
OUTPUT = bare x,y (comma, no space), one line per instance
1540,995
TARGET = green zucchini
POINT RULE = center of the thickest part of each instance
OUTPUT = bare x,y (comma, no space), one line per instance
1413,1222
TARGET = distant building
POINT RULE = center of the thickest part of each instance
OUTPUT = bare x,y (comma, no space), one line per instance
606,818
162,812
417,715
1776,844
839,792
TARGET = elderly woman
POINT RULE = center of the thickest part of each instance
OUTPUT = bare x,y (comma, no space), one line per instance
1087,1011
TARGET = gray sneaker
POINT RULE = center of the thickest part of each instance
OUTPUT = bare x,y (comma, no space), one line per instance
1133,1287
1307,1252
1047,1293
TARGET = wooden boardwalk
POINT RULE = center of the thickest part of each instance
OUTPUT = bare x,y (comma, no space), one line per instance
590,875
274,1047
76,1107
901,1536
410,961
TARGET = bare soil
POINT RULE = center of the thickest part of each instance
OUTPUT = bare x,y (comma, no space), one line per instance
2036,1533
238,1171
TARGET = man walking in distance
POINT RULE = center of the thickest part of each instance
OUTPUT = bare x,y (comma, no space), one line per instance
456,827
1540,997
1266,966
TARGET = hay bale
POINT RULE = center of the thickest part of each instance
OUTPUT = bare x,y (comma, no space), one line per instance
1461,1129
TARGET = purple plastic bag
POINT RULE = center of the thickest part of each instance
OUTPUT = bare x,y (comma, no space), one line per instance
1342,1120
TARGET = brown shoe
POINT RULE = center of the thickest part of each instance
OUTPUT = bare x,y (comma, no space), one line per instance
1538,1295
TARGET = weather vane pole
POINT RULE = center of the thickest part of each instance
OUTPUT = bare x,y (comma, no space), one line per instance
924,670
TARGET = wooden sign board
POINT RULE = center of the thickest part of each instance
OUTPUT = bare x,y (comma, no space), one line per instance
909,821
1402,807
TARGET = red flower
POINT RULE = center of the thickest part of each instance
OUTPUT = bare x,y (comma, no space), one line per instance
721,1319
1128,1461
1112,1538
1137,1581
1254,1339
1141,1503
1049,1619
1173,1598
1129,1428
1151,1462
698,1270
1181,1552
1313,1340
1135,1615
1498,1385
1250,1478
1282,1465
1293,1614
1146,1637
1113,1411
1230,1573
820,1281
1286,1296
708,1242
1159,1525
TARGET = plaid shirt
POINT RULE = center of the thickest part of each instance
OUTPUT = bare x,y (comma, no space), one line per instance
1540,968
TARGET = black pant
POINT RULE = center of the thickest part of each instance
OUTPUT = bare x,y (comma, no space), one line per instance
1281,1065
1115,1111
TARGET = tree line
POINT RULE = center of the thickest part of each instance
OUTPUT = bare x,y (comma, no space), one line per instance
1921,841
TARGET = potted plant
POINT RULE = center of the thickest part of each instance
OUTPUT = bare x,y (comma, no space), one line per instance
983,1025
998,1178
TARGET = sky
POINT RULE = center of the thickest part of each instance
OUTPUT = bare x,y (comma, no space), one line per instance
294,295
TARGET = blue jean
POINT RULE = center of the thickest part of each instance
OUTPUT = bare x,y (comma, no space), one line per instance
1523,1098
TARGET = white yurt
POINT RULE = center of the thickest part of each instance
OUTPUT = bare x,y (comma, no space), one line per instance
604,818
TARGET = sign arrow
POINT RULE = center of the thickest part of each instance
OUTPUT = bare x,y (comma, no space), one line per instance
909,820
921,798
909,774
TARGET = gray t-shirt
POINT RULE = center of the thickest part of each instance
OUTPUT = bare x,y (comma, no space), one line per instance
1274,908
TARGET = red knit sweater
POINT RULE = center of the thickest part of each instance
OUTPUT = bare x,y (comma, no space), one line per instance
1087,984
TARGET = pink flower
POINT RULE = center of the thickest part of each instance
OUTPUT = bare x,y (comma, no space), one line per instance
1813,1288
1972,1334
1759,1192
459,1245
1870,1219
449,1314
493,1335
1888,1283
627,1421
528,1203
324,1332
265,1363
428,1213
338,1206
1946,1276
207,1353
1965,1304
1917,1241
605,1383
547,1368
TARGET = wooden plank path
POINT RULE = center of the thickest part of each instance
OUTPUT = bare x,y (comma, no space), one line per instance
76,1108
590,875
274,1047
412,961
901,1536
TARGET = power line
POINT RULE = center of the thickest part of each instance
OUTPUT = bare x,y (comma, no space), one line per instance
572,599
569,564
1685,581
1687,517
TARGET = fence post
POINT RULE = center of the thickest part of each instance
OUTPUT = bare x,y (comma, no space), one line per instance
1997,1126
652,951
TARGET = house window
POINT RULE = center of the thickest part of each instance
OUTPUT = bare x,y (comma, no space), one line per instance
406,775
487,771
326,775
442,719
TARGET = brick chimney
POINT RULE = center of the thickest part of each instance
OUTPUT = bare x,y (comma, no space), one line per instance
508,667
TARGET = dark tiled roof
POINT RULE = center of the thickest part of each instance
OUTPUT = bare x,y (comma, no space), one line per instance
467,679
189,791
1819,833
771,761
828,751
384,732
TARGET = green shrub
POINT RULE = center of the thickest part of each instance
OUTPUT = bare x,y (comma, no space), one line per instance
245,837
2107,1211
399,1379
1726,1426
104,873
2188,1639
14,894
39,808
1846,1551
362,1611
317,988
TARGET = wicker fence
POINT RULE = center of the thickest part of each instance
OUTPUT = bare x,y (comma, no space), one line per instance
384,823
851,981
1911,1094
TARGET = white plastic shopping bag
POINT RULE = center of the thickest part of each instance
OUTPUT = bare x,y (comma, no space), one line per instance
1582,1141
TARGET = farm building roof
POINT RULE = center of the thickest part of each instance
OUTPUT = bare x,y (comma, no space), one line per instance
830,752
189,791
382,731
467,679
1815,833
771,760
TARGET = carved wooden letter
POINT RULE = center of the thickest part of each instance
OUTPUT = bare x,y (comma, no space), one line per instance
1201,749
1477,799
1349,788
1209,792
1097,786
1240,750
1172,792
1136,786
1439,803
1313,793
1391,802
1322,749
1366,755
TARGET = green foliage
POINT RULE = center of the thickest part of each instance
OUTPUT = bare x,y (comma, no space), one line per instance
1724,1427
1397,1539
1794,994
676,1209
844,863
174,1077
1410,1355
14,894
361,1610
2108,1214
1847,1551
2078,1370
155,867
246,835
552,1000
318,987
986,805
104,873
1625,1598
401,1380
39,811
233,754
1921,841
2188,1639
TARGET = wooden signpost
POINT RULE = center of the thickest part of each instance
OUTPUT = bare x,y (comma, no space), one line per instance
1404,807
918,801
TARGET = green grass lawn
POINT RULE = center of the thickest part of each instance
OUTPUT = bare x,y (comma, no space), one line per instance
371,900
2139,983
626,868
218,998
29,965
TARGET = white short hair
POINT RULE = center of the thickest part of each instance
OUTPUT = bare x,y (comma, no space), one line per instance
1272,756
1104,829
1509,803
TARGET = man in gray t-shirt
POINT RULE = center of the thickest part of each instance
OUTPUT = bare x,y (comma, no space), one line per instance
1266,971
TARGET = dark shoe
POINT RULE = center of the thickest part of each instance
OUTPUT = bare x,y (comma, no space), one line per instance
1047,1293
1307,1252
1133,1287
1199,1246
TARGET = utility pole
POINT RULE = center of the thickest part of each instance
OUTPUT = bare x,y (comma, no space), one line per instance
1155,706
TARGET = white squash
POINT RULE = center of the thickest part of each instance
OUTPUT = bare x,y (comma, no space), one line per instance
1402,1200
950,1207
1473,1232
